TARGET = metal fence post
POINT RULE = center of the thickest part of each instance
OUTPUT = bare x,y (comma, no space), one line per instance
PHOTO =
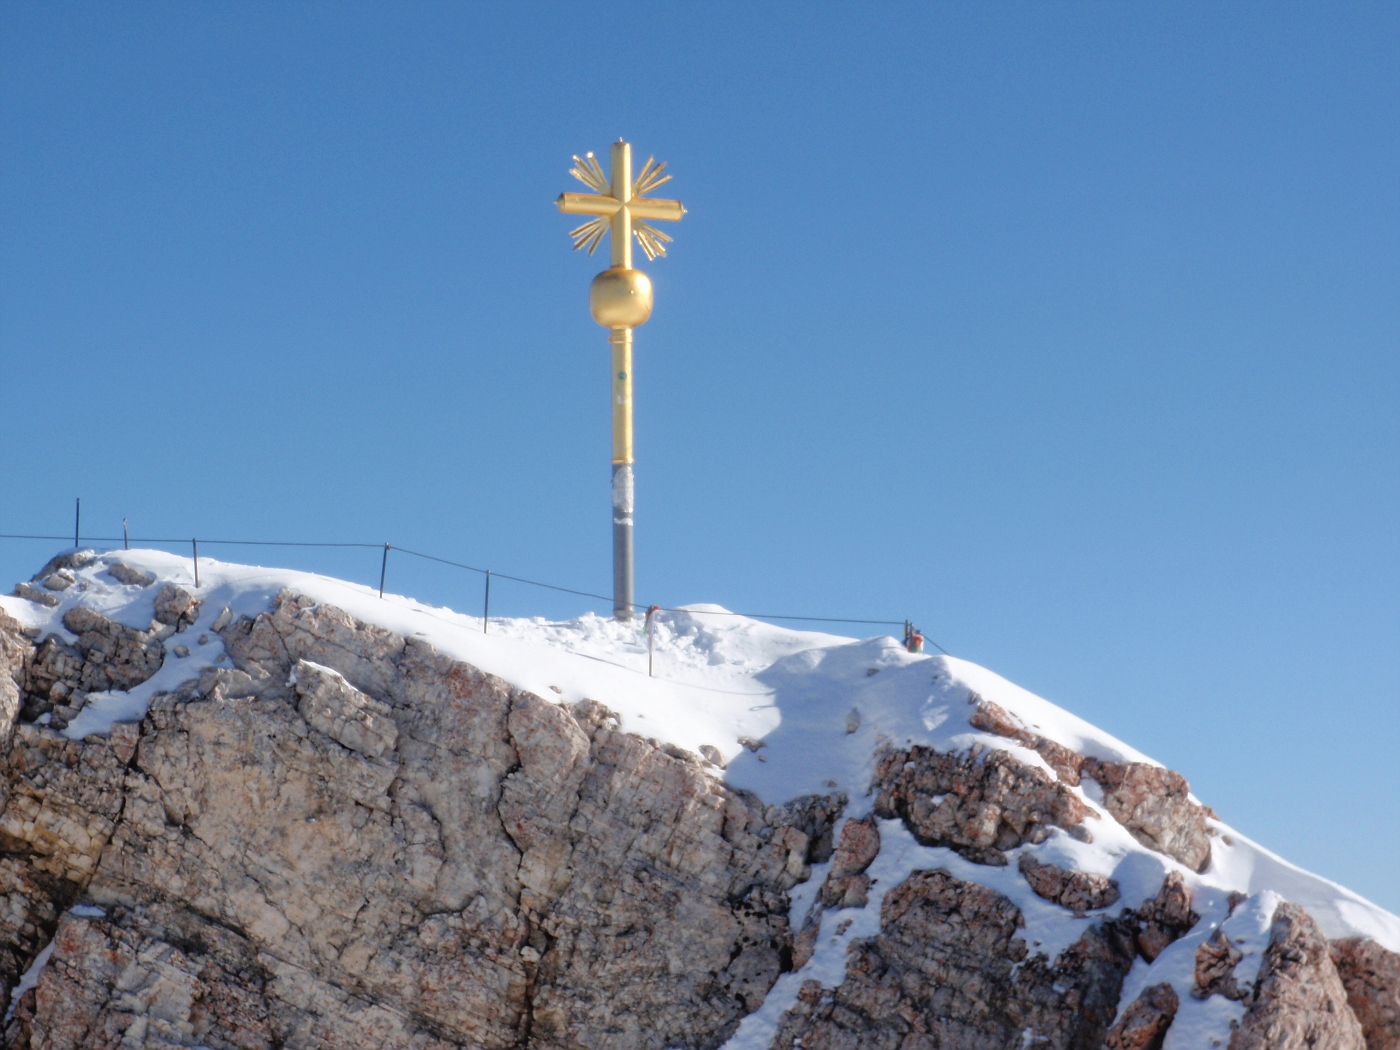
651,635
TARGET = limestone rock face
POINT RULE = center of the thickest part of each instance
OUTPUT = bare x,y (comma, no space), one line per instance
996,719
114,656
1154,804
62,802
176,607
331,704
978,803
1166,917
943,972
1144,1024
1299,1000
351,840
1075,890
126,981
16,651
847,885
107,655
1371,976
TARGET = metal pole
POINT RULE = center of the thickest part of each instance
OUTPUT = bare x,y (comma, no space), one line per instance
383,568
77,521
196,563
126,537
651,635
486,608
623,488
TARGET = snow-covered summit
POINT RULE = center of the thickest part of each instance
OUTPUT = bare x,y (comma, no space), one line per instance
781,713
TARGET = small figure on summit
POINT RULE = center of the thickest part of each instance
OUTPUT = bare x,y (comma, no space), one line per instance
913,638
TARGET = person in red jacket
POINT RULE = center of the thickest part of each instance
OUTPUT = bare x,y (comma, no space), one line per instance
913,638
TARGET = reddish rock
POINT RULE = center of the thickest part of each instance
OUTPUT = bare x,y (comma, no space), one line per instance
1166,917
1075,890
949,970
1154,804
1144,1024
993,718
979,803
1216,959
1299,1001
1371,976
846,885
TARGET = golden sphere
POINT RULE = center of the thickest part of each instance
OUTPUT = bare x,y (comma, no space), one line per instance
620,297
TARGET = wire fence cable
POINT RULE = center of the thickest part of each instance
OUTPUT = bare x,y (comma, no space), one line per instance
386,547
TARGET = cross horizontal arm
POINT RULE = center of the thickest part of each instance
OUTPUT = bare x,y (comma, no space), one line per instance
587,204
655,208
639,207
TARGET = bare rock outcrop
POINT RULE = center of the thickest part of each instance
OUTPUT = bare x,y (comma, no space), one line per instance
331,704
1078,891
1154,804
1298,1001
16,650
980,803
137,981
350,840
1144,1024
948,969
113,655
57,676
34,594
131,577
62,802
1216,959
176,607
847,885
1371,976
1166,917
993,718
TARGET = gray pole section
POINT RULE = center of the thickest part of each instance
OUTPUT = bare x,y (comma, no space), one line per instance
623,499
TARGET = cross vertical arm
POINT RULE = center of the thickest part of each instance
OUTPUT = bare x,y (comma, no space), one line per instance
621,181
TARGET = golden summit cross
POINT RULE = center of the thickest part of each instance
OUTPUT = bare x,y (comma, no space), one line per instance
620,299
620,205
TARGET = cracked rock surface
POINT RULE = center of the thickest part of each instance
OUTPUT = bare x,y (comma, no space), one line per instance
980,803
1298,1001
1075,890
948,969
351,840
1144,1023
1371,976
1154,804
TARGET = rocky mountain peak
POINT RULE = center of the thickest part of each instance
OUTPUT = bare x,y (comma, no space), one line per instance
286,814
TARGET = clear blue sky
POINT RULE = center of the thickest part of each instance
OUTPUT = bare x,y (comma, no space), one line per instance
1068,331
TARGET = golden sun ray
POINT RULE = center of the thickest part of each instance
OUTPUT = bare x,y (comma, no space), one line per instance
650,238
589,172
590,233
